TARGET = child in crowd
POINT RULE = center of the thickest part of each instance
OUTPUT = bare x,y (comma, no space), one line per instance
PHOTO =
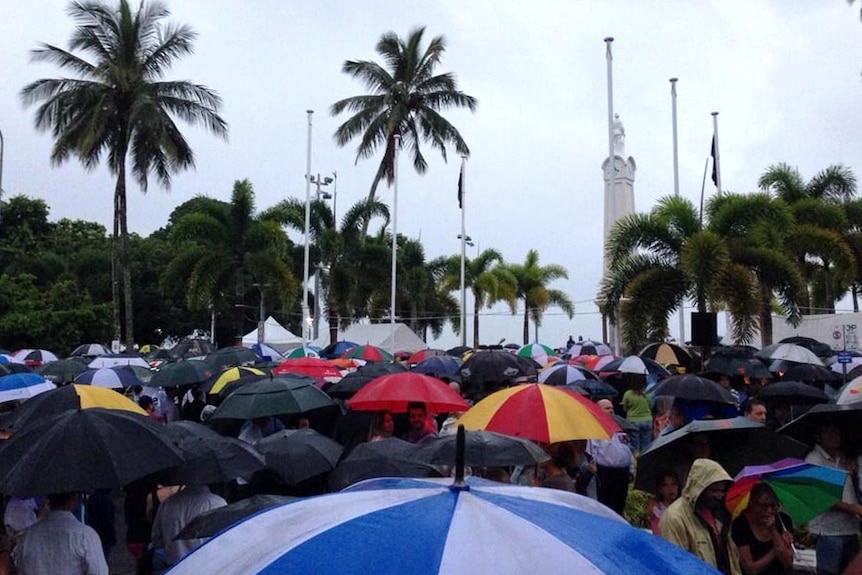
666,492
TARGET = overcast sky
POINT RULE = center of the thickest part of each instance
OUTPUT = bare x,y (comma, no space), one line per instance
784,76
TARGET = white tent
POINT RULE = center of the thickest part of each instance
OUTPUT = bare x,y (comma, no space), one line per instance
379,334
275,335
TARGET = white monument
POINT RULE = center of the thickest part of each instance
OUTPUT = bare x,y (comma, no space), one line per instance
619,174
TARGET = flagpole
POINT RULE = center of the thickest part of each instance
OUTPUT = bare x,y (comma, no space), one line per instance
462,204
305,316
397,145
673,82
612,169
716,155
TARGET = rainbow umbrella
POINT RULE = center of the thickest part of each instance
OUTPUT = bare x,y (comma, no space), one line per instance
540,412
804,490
368,353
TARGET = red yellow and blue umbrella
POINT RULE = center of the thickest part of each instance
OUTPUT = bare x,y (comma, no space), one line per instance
540,412
804,490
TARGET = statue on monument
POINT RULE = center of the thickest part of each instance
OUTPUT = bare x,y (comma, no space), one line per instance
619,137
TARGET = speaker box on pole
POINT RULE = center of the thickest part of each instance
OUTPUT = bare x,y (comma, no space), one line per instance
704,329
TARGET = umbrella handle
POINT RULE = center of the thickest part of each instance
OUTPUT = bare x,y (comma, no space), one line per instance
792,546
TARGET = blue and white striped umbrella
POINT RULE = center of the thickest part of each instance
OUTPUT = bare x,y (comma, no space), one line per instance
22,386
397,526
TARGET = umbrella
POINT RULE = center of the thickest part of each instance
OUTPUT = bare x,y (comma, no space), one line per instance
424,354
110,377
232,386
34,357
482,449
395,391
458,350
314,367
84,450
806,427
848,394
588,347
440,366
669,354
804,490
734,443
337,349
368,353
810,373
63,370
820,349
301,352
540,412
390,457
13,367
90,350
792,392
23,386
219,381
592,362
427,526
538,352
266,352
598,389
789,352
841,368
280,395
693,387
356,380
209,457
115,359
635,364
66,398
182,373
299,454
232,356
562,374
737,366
216,520
485,371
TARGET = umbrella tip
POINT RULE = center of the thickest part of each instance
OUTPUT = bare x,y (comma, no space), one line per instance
460,439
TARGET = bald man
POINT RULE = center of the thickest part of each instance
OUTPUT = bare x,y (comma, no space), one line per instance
614,464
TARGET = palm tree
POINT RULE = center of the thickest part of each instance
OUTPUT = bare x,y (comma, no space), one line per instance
118,105
487,277
222,246
531,282
406,98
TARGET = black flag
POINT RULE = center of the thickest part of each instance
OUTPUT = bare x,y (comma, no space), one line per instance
461,188
714,170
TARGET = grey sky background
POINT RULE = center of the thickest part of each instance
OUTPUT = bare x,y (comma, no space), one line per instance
785,77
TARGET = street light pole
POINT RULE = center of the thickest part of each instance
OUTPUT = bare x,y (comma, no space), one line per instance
304,302
1,166
318,182
463,236
394,245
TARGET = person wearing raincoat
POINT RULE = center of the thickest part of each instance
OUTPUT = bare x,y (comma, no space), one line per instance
699,521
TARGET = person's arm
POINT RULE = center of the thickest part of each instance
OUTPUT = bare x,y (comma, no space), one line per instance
94,557
673,531
6,544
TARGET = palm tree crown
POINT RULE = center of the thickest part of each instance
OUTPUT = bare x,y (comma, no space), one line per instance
117,105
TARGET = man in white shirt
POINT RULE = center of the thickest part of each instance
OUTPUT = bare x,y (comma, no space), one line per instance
176,512
60,543
837,528
614,465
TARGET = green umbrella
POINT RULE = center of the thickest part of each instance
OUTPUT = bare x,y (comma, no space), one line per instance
64,370
182,373
282,395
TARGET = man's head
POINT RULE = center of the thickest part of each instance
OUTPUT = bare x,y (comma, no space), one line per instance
606,405
64,501
676,417
724,381
829,438
713,496
146,403
417,414
754,409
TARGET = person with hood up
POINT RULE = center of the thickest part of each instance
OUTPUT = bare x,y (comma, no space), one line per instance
699,521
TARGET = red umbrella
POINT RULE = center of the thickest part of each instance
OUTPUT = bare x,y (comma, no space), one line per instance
424,354
319,369
395,391
368,353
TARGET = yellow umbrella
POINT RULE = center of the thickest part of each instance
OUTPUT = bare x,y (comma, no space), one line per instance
221,380
540,412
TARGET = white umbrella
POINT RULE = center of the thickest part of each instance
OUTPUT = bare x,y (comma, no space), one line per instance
789,352
633,364
850,393
118,359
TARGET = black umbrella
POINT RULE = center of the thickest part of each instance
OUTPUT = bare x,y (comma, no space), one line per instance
209,457
390,457
458,350
18,368
299,454
737,365
670,353
84,450
482,449
282,395
211,522
847,417
734,443
486,371
232,356
356,380
440,366
811,374
693,387
792,392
